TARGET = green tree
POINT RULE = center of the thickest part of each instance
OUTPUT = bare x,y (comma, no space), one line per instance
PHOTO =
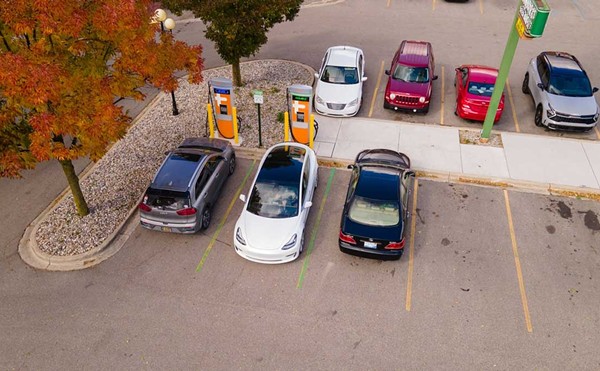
62,66
238,27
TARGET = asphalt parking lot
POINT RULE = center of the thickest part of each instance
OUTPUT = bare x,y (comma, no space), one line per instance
496,279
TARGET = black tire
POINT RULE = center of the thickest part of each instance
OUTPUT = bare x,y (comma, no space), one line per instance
205,218
525,86
316,129
456,109
301,245
425,110
539,112
386,105
231,168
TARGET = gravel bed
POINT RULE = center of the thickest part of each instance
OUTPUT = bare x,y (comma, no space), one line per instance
116,182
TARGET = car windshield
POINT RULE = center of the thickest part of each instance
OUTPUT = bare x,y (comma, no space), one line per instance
166,199
378,213
481,88
570,85
411,74
340,75
274,200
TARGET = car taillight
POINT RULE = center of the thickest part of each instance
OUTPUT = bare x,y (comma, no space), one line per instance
187,211
395,245
142,206
347,238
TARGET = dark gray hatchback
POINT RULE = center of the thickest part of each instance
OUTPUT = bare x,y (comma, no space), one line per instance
187,185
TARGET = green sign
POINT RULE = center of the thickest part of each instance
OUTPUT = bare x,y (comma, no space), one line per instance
301,98
533,15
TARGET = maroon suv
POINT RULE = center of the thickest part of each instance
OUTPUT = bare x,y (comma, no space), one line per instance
410,77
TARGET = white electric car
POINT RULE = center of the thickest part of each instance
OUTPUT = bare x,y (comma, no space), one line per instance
270,228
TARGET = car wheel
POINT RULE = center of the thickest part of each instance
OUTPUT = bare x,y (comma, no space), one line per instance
525,86
206,216
232,165
538,116
386,105
456,109
301,245
425,110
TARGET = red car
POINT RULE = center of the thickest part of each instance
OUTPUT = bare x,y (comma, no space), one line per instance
474,88
410,77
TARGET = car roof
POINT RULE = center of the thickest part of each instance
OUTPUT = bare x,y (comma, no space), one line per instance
177,170
378,183
283,164
563,62
343,56
414,53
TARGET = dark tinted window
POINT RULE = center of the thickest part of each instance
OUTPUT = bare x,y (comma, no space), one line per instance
481,88
177,171
570,84
376,183
277,188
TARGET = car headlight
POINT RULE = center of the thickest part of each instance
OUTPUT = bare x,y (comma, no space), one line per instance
550,112
291,243
422,99
319,100
353,103
392,96
597,115
238,236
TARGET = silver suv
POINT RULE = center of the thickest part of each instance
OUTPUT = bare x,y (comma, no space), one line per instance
187,185
561,91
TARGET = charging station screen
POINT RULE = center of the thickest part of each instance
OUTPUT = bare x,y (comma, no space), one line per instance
223,109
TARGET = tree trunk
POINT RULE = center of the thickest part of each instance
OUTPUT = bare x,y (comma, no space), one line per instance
73,179
236,73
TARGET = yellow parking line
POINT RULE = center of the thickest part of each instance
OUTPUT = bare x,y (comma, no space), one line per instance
597,132
224,219
517,264
443,98
480,6
411,251
376,89
512,106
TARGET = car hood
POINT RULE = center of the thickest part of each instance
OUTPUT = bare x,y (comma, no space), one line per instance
267,233
337,93
577,106
412,88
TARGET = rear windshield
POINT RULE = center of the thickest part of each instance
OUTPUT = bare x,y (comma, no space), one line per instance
274,200
177,171
570,85
340,75
167,200
481,88
379,213
411,74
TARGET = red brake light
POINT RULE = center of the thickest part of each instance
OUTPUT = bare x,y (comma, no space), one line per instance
187,211
142,206
395,245
347,238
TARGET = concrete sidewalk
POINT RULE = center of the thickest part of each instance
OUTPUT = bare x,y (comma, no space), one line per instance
535,160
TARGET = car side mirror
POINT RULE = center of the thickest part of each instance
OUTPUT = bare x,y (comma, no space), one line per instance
307,204
594,90
387,72
351,166
540,85
409,173
435,77
364,78
317,75
243,198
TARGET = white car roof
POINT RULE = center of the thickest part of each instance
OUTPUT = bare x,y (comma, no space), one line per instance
343,56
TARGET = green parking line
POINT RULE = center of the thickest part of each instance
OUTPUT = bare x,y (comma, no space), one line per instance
315,230
224,219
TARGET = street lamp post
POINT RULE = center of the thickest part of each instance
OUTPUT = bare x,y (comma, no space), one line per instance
168,23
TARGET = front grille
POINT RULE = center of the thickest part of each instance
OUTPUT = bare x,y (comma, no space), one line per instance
574,119
401,99
336,106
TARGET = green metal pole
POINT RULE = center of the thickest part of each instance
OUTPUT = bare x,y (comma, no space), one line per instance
509,53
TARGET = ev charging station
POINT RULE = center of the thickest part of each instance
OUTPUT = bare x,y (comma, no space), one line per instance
222,108
301,119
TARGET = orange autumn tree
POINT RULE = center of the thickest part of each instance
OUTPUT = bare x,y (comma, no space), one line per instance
62,67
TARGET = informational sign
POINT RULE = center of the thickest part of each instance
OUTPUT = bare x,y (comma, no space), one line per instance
258,96
300,110
222,100
532,18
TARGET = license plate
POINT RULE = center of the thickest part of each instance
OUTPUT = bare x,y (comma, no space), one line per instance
165,229
370,245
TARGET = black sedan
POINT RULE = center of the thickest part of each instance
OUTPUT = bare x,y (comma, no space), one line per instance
376,208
